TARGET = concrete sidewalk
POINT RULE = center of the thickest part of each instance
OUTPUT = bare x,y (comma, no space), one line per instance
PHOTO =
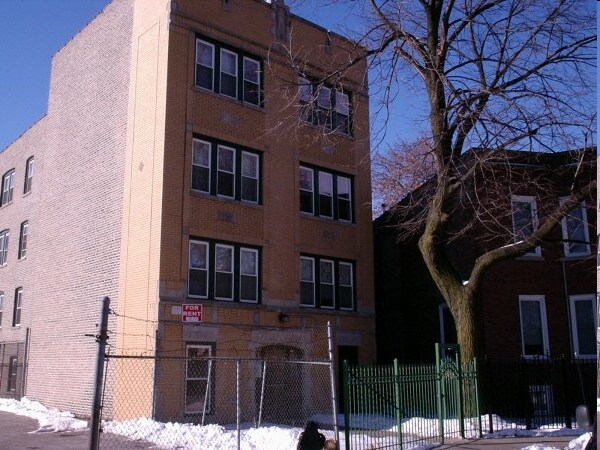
507,443
16,433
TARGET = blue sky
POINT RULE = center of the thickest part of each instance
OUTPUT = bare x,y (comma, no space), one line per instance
31,31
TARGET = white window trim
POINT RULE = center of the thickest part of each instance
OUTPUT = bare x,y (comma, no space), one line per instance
331,196
351,285
256,178
255,275
541,299
574,333
349,200
28,175
1,308
23,239
565,231
313,281
4,240
194,141
234,74
332,284
18,307
537,251
232,173
207,259
8,182
232,272
311,191
207,397
212,79
257,83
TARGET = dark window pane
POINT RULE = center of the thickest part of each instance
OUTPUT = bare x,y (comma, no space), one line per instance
344,210
198,283
307,293
248,288
342,123
325,206
251,92
204,77
327,296
223,285
195,393
346,297
225,184
306,201
228,85
249,189
200,179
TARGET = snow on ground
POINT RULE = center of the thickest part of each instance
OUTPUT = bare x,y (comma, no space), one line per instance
265,437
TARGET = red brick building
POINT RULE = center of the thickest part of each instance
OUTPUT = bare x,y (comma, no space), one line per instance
541,303
185,160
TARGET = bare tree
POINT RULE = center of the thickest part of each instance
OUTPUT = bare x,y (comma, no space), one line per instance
498,74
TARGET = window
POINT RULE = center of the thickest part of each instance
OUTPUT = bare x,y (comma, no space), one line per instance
218,69
524,215
1,307
583,325
326,283
575,232
323,106
201,166
248,275
229,70
28,175
198,372
534,330
335,194
234,274
8,181
307,281
306,190
17,310
205,64
4,235
251,81
225,170
13,367
23,240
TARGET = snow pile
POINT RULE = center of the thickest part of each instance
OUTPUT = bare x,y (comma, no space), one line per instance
217,437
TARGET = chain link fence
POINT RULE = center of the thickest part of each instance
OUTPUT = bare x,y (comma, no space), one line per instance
200,401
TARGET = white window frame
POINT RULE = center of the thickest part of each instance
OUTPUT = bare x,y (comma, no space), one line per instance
322,175
206,246
541,300
537,251
203,143
256,159
28,176
231,249
565,230
234,74
212,68
208,393
332,284
340,199
311,191
351,285
13,371
573,299
257,82
8,182
4,240
18,307
254,275
219,170
23,239
1,307
313,281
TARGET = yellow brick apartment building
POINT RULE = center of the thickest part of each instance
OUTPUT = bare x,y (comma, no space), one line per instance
191,155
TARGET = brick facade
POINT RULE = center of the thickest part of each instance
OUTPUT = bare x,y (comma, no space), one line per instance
113,194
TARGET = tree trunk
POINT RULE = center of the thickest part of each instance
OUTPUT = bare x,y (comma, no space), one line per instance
467,328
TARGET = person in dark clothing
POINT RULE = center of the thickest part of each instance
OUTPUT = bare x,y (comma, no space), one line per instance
310,438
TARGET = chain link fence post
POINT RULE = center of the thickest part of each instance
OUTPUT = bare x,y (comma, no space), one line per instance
101,338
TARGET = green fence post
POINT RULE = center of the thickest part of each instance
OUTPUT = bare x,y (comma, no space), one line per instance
440,391
398,402
461,400
345,381
476,387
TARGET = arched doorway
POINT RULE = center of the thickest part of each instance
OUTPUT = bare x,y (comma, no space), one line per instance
282,400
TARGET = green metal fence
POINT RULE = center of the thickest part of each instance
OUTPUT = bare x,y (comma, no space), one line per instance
400,406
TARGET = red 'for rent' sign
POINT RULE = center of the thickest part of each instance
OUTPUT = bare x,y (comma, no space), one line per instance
191,313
